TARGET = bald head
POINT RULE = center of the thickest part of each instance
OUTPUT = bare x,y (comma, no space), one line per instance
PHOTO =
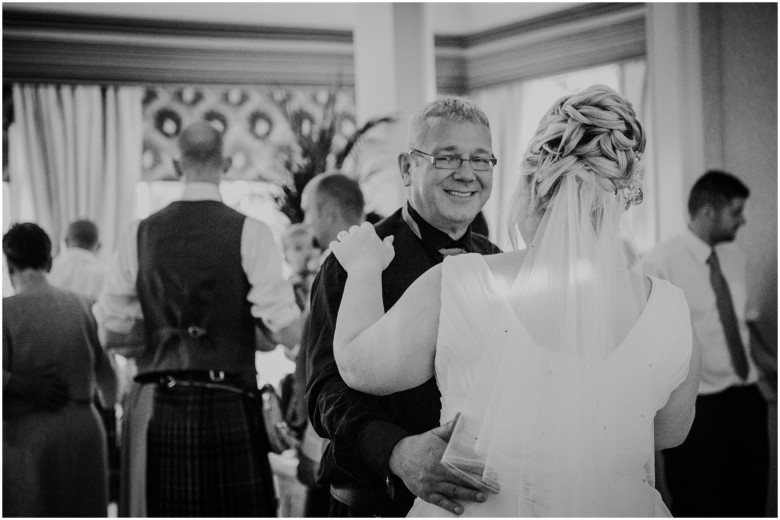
84,234
200,145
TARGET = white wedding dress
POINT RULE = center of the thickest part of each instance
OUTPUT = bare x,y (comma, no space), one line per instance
626,389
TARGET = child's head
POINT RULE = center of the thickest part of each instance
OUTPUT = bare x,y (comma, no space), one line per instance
298,247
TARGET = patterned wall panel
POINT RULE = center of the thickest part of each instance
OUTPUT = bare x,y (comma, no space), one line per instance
255,123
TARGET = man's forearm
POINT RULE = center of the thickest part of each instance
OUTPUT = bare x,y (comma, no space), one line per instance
353,422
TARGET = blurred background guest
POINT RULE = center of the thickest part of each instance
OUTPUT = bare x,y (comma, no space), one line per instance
54,444
332,202
77,268
722,468
202,280
302,256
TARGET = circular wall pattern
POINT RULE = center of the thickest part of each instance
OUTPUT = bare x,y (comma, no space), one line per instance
255,124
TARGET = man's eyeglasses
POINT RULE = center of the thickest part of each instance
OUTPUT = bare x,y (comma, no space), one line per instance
450,162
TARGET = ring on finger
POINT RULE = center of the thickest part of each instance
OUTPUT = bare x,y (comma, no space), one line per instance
454,488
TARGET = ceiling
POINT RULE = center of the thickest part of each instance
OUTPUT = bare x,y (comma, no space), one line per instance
447,18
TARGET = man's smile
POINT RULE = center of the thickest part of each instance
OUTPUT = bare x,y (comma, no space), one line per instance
460,194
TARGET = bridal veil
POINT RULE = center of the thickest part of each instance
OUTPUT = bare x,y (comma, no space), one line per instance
537,425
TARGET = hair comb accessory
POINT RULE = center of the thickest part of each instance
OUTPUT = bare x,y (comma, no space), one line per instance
639,168
632,194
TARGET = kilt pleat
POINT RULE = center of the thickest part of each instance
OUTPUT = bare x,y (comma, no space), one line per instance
207,455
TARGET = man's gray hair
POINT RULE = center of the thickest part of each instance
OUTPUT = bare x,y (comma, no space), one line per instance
449,107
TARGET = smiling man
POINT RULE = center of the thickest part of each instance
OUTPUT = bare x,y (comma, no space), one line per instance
384,451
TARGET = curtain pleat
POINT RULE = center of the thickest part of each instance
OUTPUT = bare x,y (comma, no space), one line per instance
79,153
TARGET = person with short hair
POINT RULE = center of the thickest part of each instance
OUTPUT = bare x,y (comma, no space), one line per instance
202,281
77,268
722,469
384,451
54,444
331,202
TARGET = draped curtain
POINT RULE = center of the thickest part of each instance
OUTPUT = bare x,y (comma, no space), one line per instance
515,109
75,152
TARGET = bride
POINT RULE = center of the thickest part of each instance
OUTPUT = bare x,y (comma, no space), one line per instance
565,369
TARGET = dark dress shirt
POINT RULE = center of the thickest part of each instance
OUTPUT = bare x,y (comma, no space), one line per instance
364,429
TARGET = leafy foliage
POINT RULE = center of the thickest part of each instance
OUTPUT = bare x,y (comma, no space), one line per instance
358,138
314,140
314,153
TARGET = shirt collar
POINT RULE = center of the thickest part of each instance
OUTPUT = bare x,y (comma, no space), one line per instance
701,250
324,255
434,239
200,191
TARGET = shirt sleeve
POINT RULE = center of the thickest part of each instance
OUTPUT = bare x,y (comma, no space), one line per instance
753,304
271,296
362,435
117,309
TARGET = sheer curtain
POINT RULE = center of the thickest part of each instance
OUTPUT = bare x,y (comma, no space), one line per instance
75,152
514,111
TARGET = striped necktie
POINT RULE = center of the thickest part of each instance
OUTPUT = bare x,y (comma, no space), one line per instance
728,317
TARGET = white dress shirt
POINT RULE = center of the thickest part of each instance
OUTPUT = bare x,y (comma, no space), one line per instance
682,260
272,297
78,270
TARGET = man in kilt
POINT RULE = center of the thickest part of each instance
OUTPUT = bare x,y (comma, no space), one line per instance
203,280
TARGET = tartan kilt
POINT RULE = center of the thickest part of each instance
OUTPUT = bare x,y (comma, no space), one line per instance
207,455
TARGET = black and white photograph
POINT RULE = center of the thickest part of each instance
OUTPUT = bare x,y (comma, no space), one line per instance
383,259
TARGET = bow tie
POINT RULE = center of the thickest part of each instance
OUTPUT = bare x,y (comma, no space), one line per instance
452,251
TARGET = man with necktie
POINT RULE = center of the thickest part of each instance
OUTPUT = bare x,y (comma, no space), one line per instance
721,470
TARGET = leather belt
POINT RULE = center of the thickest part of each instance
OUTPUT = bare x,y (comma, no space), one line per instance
360,498
192,331
196,332
211,379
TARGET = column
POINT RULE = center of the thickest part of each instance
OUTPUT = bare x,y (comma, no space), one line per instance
394,75
676,139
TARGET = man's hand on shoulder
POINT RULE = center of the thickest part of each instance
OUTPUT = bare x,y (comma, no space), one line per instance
417,461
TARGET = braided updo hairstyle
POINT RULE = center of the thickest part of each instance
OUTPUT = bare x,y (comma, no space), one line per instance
593,135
